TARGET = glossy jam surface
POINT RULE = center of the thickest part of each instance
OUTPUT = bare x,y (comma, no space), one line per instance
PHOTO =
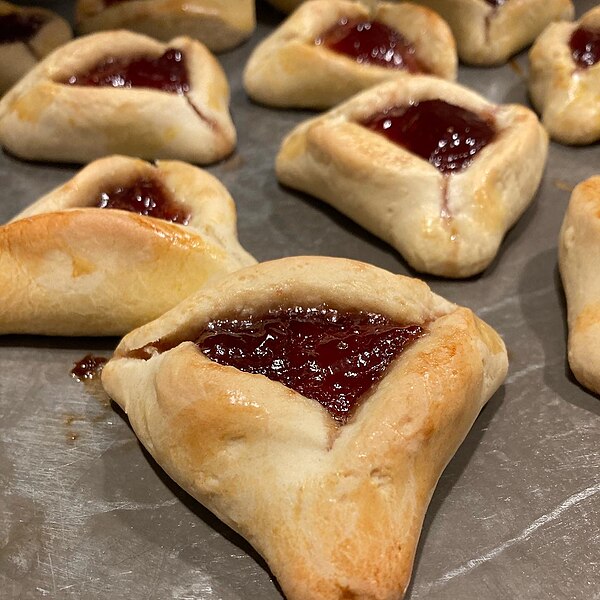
585,47
372,43
167,73
329,356
496,2
145,197
89,367
19,27
446,135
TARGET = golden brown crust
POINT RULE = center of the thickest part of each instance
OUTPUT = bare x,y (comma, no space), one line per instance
69,269
445,225
487,35
579,257
44,119
217,24
335,510
18,58
565,95
289,70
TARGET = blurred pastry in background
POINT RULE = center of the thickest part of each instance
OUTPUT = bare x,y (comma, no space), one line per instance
564,79
329,50
27,34
217,24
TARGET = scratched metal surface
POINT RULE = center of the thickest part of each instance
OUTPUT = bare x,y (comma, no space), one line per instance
86,513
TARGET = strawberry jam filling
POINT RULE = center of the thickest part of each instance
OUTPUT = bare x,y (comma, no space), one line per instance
167,73
585,47
330,356
446,135
496,2
19,27
145,197
371,43
108,3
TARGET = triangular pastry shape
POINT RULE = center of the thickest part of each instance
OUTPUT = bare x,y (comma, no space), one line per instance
579,257
27,34
564,79
329,50
489,32
92,97
332,497
429,166
70,267
217,24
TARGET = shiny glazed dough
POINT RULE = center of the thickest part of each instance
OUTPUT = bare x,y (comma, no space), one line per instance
579,257
488,35
18,57
217,24
565,96
43,119
446,225
69,269
335,510
289,70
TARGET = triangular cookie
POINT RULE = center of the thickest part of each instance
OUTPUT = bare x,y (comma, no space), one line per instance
564,79
489,32
91,98
579,257
29,33
217,24
69,269
329,50
445,198
333,503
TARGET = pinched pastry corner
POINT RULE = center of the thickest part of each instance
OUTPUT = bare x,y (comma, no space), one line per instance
489,32
46,117
563,90
37,32
68,267
293,67
217,24
335,508
579,257
448,224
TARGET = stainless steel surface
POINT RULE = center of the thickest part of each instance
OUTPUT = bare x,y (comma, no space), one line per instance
86,513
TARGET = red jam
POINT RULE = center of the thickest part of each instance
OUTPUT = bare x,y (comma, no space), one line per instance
19,27
372,43
496,2
145,197
89,367
167,73
446,135
585,47
111,2
330,356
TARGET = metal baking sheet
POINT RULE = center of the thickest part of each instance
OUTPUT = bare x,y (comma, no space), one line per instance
86,513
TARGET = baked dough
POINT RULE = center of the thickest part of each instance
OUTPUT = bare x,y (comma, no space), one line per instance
219,25
449,225
335,510
489,35
579,257
42,118
564,95
289,70
69,269
16,58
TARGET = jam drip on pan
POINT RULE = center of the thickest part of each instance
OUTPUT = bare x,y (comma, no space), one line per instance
145,197
167,73
329,356
371,43
19,27
585,47
446,135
